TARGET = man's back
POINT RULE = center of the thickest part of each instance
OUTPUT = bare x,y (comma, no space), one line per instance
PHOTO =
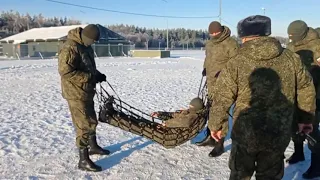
264,80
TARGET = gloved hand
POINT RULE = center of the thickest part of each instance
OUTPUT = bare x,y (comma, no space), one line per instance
204,72
101,77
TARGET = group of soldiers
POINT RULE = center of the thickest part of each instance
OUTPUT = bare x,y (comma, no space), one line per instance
274,90
276,95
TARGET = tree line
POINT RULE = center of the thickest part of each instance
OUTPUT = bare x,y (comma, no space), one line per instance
179,37
12,22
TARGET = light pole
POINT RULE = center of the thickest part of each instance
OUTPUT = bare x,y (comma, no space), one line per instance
167,35
264,11
220,10
167,27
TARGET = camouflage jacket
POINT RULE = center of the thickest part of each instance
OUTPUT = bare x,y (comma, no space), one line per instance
77,68
266,83
218,52
309,51
318,30
181,118
308,48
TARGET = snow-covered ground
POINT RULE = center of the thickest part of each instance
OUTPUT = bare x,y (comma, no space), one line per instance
37,139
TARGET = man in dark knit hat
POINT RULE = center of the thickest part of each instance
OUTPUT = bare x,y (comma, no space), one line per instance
266,83
219,49
305,42
79,76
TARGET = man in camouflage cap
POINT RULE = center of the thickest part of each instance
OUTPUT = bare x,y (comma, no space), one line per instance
266,82
306,43
219,49
79,76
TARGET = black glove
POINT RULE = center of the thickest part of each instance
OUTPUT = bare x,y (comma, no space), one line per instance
101,77
204,72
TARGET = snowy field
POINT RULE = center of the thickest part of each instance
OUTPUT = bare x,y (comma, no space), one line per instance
37,139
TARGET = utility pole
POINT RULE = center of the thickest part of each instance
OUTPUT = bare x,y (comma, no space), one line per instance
167,35
220,10
167,24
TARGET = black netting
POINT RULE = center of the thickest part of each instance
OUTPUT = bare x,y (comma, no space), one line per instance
124,116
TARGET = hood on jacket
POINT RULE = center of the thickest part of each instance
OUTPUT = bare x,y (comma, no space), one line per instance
224,35
262,48
75,35
311,35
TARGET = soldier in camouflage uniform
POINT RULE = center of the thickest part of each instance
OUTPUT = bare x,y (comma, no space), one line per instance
79,76
305,42
182,118
219,49
266,82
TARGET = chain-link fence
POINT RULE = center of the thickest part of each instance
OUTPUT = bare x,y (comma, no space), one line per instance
50,50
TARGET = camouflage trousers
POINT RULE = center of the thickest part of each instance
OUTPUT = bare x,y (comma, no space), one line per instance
84,119
268,165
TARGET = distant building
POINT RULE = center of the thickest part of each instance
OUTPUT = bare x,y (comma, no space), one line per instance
47,41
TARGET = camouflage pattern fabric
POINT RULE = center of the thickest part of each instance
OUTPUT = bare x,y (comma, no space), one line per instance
218,52
77,68
165,136
166,115
266,83
310,43
84,120
183,119
266,164
317,30
309,51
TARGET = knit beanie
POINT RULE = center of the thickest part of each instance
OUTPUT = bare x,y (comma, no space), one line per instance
297,30
92,32
215,27
197,104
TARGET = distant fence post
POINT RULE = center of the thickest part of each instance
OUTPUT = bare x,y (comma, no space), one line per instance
94,50
18,56
121,45
40,55
109,50
95,54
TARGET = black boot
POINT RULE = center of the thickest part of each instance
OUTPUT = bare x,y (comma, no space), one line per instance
207,141
85,162
298,154
95,148
314,169
218,149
